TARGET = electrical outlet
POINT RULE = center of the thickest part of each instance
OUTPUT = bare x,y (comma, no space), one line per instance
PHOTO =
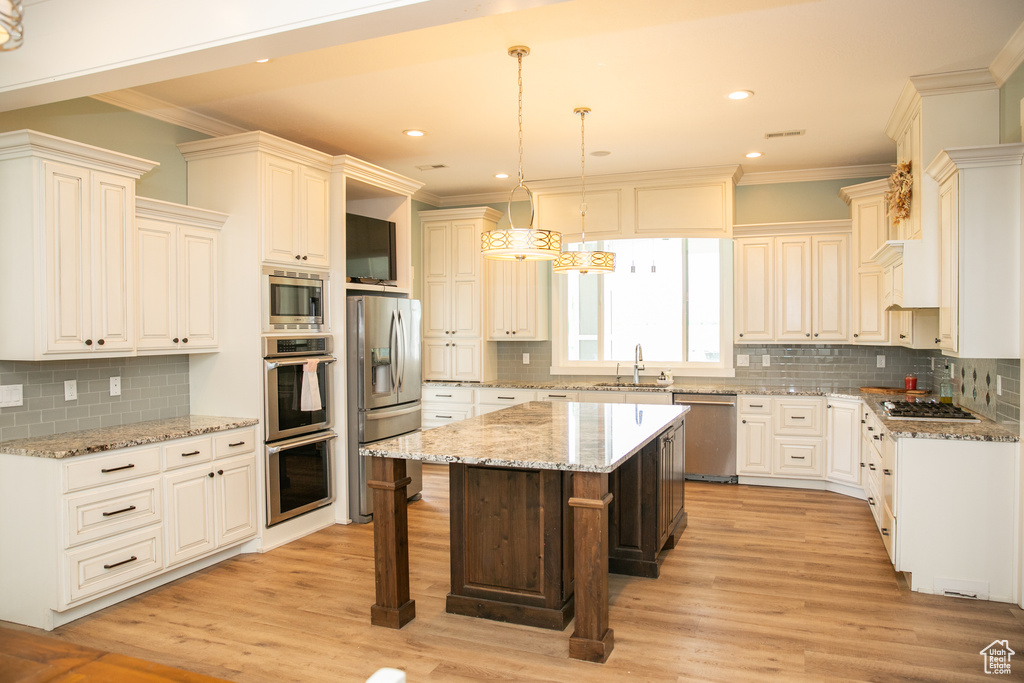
880,361
999,385
10,396
115,386
71,390
766,360
742,360
526,359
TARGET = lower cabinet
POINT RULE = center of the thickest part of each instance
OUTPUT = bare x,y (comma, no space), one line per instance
781,437
102,523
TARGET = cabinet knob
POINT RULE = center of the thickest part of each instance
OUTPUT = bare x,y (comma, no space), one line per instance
744,422
88,342
210,475
513,331
855,335
741,334
808,334
175,340
815,334
185,340
871,501
297,257
220,471
100,342
936,340
507,332
305,258
903,336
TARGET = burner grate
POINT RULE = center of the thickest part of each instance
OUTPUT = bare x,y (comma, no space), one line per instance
927,411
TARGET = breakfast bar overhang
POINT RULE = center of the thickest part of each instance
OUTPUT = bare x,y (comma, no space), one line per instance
526,481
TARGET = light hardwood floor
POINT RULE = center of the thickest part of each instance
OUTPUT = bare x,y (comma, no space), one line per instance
765,585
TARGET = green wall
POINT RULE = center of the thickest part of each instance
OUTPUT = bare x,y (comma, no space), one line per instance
815,200
104,125
1010,96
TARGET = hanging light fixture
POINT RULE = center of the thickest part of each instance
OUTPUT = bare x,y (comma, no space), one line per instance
11,29
584,261
521,244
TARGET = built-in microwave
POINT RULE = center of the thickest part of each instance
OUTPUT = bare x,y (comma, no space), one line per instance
294,300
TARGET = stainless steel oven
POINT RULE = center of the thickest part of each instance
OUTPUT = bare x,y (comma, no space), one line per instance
294,300
293,365
300,476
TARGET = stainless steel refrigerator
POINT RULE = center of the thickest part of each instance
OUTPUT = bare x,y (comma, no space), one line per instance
383,387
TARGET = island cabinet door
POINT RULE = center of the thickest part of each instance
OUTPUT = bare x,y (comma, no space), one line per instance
634,514
511,545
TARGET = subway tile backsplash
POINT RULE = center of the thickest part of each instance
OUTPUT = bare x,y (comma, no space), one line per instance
827,366
153,387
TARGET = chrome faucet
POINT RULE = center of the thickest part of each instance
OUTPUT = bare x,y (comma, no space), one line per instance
638,356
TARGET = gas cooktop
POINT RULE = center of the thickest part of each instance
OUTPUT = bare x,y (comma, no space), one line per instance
925,411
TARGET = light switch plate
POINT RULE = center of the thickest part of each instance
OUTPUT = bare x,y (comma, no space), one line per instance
11,395
526,359
766,360
742,360
115,386
880,361
71,390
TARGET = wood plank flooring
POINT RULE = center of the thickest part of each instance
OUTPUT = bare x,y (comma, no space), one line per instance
764,585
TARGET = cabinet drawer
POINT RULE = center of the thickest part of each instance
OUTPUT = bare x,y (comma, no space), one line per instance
758,405
447,395
799,417
505,397
799,457
99,513
648,397
558,396
112,468
434,416
888,531
234,443
874,502
112,564
187,452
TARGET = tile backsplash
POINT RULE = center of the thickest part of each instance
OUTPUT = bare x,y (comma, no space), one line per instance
826,366
153,387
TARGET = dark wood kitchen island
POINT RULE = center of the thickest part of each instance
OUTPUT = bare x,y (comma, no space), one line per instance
531,491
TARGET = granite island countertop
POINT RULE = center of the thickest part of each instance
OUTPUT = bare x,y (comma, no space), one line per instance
985,430
579,437
70,444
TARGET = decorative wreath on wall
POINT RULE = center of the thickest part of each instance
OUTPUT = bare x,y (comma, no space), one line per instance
898,197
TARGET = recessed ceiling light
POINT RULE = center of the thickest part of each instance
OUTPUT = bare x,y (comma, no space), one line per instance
501,176
740,94
600,153
263,61
753,155
414,133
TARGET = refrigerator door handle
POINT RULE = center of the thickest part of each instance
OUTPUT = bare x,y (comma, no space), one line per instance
402,343
393,347
370,416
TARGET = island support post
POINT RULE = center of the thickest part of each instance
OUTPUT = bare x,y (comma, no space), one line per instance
592,640
394,608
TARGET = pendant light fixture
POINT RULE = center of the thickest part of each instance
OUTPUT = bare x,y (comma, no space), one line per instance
12,30
584,261
520,244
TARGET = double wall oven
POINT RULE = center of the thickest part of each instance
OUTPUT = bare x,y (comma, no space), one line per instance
298,399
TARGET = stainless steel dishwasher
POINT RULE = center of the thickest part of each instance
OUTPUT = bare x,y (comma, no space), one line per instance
710,436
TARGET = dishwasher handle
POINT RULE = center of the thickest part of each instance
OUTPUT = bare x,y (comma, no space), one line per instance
704,403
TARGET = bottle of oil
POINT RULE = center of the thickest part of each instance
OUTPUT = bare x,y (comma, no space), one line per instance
946,388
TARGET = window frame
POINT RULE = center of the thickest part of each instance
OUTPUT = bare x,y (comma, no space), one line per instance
561,365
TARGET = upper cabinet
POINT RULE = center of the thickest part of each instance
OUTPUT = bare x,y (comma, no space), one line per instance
979,250
67,238
793,288
519,294
453,297
295,213
178,275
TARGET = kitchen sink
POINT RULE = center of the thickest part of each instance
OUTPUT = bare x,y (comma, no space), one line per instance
625,384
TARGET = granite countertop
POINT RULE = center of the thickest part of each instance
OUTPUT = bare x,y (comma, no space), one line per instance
70,444
579,437
986,430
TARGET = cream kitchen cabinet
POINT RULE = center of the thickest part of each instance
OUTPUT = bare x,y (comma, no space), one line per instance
177,277
870,230
107,526
519,293
780,437
979,245
793,288
295,214
443,405
453,302
754,445
844,441
74,261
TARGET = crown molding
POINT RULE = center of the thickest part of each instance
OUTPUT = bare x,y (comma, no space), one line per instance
22,143
794,228
145,207
155,108
429,198
365,172
255,141
1009,58
872,187
812,174
484,212
953,159
953,82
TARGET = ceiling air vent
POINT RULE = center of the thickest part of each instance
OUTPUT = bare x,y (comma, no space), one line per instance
431,167
784,134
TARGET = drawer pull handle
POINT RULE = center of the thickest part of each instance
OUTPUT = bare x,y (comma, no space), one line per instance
871,501
871,467
507,398
236,444
887,472
118,564
799,457
871,429
757,405
107,470
118,512
798,417
875,437
185,455
447,417
885,531
444,395
862,465
557,396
